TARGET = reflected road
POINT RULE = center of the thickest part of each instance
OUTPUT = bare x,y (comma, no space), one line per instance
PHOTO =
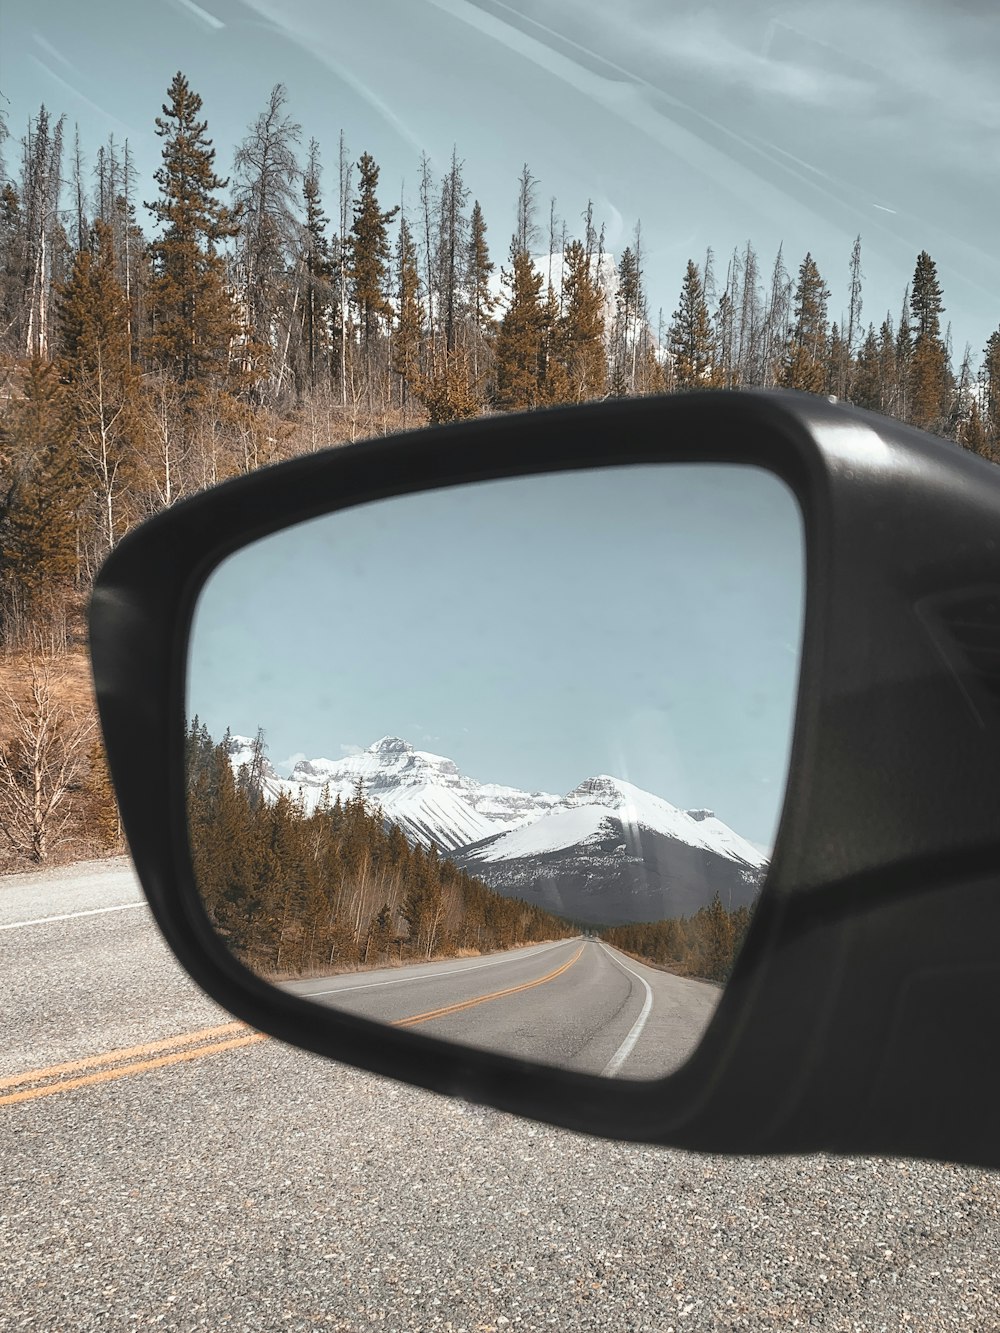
578,1003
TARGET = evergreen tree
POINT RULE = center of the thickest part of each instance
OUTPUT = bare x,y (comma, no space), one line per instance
805,365
451,393
103,820
839,367
930,379
192,316
899,398
40,493
579,342
481,302
625,330
318,271
520,342
973,435
370,255
409,317
990,375
866,383
690,335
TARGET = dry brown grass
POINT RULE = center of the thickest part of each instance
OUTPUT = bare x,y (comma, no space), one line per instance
72,684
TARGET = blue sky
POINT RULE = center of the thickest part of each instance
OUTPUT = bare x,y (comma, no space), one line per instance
790,121
643,622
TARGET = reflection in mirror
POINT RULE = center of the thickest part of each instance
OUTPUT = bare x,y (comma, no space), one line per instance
504,762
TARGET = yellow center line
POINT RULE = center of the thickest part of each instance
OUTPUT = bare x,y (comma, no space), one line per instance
484,999
106,1075
112,1065
116,1057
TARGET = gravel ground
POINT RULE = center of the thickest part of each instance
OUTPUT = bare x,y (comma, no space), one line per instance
267,1189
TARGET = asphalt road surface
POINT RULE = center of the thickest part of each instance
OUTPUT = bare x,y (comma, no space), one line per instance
577,1003
164,1167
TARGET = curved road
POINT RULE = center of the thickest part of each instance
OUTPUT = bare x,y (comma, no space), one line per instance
577,1003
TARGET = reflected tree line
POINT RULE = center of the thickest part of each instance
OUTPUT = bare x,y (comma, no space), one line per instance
703,945
293,892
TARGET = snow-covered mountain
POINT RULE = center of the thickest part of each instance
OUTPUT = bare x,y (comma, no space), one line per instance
423,793
606,852
615,853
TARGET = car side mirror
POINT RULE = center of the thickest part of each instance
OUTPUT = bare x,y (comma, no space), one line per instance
586,764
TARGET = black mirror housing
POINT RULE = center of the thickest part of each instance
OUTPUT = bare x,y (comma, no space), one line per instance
859,1014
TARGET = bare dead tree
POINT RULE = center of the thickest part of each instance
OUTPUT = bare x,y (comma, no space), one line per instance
41,762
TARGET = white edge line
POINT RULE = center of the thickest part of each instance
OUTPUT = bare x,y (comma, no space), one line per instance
635,1032
70,916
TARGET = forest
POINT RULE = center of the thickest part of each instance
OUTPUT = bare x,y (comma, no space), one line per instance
295,894
703,945
158,336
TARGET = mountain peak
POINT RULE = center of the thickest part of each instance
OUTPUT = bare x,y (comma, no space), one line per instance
602,790
392,745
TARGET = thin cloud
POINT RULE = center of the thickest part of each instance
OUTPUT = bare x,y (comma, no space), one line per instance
286,765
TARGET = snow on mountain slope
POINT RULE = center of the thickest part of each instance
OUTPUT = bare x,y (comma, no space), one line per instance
553,832
584,818
698,828
431,801
424,793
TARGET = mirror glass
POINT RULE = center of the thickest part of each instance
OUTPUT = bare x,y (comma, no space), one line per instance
504,762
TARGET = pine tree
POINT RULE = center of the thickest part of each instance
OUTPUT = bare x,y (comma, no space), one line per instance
450,393
689,339
579,342
193,320
990,375
409,317
318,297
839,369
625,330
930,378
899,399
481,302
40,493
866,383
103,820
370,255
805,365
520,342
973,435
